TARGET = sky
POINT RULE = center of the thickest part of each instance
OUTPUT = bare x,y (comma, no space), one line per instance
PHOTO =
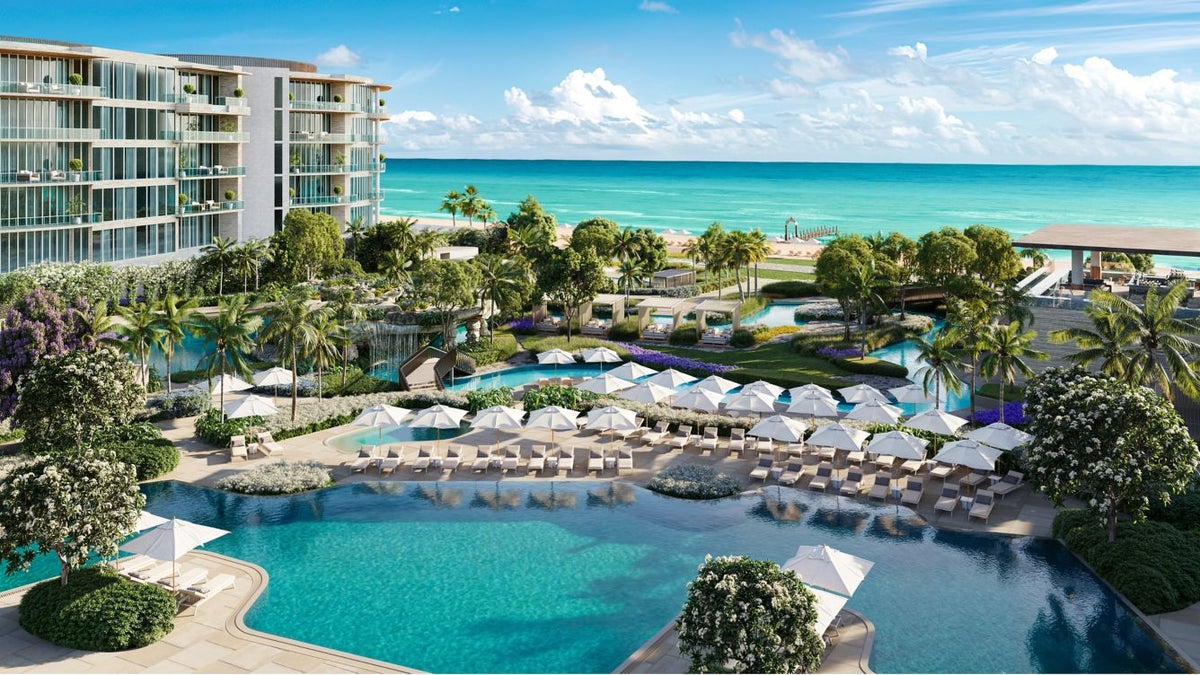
972,81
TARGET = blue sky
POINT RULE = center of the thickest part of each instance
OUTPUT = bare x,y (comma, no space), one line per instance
1023,81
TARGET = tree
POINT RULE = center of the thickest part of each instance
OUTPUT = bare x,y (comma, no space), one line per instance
1123,444
259,251
1037,257
712,244
739,250
394,266
328,339
473,206
945,258
71,506
1005,350
540,228
230,331
140,330
625,243
749,616
306,244
694,250
502,282
970,320
38,325
1106,342
393,236
759,251
598,234
355,230
447,286
219,255
867,287
451,204
835,268
996,261
348,313
571,278
289,328
650,250
941,363
69,399
243,264
172,316
1013,303
629,274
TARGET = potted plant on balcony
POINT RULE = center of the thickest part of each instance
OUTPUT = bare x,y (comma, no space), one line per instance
75,208
382,158
291,96
230,195
183,200
339,159
337,190
239,92
291,195
229,126
337,98
75,80
295,162
189,88
76,166
382,103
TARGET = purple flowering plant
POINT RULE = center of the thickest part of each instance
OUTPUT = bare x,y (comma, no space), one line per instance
1014,415
650,357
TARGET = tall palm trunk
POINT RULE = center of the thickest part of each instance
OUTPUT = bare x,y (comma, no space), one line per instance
1001,403
345,363
222,395
295,381
167,355
974,365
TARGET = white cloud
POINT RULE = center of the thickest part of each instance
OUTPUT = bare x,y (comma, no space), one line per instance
893,6
654,6
737,116
802,59
581,98
454,10
918,51
1046,56
339,57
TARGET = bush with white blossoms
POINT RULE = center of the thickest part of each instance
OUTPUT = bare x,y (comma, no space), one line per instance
748,616
280,478
313,414
1110,443
694,481
819,309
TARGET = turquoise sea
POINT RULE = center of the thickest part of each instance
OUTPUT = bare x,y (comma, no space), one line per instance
862,198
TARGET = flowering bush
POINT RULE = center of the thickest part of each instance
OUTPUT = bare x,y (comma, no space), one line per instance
186,402
693,481
820,309
565,397
767,333
650,357
38,325
523,326
280,478
1014,414
832,353
216,431
749,615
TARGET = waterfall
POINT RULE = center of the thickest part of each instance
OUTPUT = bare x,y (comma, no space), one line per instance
390,345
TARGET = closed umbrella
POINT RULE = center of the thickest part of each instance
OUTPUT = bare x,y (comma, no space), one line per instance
438,417
704,400
647,392
380,416
968,453
763,387
274,378
807,389
829,568
631,371
779,428
553,418
898,444
671,378
751,402
813,405
251,406
612,419
999,435
911,393
171,539
556,357
839,437
601,355
874,411
604,384
717,384
498,417
861,393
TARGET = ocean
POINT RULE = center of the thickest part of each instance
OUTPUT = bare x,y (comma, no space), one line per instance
855,198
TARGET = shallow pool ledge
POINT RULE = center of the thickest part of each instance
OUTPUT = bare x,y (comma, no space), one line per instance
850,654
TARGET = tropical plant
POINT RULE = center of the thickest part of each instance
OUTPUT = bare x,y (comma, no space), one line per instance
355,229
629,274
1005,350
140,330
1013,302
243,264
971,319
259,252
219,255
348,313
500,279
329,338
570,278
307,244
452,204
290,329
37,326
447,286
1107,342
280,478
394,266
230,331
941,363
758,250
867,288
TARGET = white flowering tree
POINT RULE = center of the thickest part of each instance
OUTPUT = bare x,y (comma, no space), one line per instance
70,505
748,616
1113,444
66,400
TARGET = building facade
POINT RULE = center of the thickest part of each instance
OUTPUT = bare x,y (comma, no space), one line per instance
130,158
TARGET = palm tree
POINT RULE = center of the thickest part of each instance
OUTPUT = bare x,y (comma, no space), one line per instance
290,329
231,333
866,287
260,253
759,251
485,214
497,276
1107,342
424,242
1013,303
348,313
394,265
243,263
140,330
470,204
451,204
1037,257
1006,348
629,272
941,363
329,338
971,319
97,326
738,246
694,250
1159,349
356,229
219,254
522,241
625,243
171,318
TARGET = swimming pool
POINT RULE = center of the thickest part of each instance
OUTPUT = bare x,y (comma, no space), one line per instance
573,577
517,376
354,440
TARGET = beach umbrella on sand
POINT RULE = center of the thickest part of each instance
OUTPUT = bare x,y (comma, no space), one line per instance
553,418
717,384
968,453
829,568
647,392
601,355
671,378
612,419
809,389
999,435
763,387
556,357
813,405
251,406
704,400
438,417
839,437
874,411
171,539
380,416
604,384
631,371
274,378
751,402
898,444
861,393
779,428
911,393
498,417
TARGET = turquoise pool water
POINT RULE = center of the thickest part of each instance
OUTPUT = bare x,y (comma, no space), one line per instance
522,375
774,314
352,442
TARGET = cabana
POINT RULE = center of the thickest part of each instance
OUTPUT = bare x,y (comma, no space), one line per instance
1097,238
672,306
731,307
589,326
673,278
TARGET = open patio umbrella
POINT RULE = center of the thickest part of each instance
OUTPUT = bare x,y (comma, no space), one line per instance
556,357
670,378
554,418
704,400
838,436
937,421
875,411
861,393
807,389
717,384
380,416
968,453
911,393
251,406
438,417
274,378
829,568
763,387
601,355
171,539
147,520
813,405
631,371
828,606
604,384
751,402
612,419
898,444
779,428
498,417
647,392
999,435
227,382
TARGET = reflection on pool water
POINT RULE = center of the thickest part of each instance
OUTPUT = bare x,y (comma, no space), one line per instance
573,577
355,440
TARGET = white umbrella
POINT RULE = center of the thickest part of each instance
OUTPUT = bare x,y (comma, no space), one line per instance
717,384
555,356
968,453
911,393
874,411
763,387
147,520
838,436
647,392
861,393
704,400
807,389
498,417
601,355
999,435
604,384
438,417
251,406
813,405
779,428
898,444
751,402
380,416
553,418
828,606
613,419
171,539
937,421
228,383
671,378
274,378
829,568
631,371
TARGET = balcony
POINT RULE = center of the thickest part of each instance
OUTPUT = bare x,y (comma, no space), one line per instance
217,171
309,169
378,113
53,177
48,134
41,89
375,196
53,219
377,167
206,136
208,207
317,200
324,106
326,137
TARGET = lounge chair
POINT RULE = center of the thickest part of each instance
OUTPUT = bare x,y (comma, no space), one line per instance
765,445
882,487
537,459
854,484
624,461
194,596
820,482
188,577
826,453
595,461
512,459
949,499
269,446
884,462
362,462
566,460
635,432
763,469
737,440
792,473
453,459
483,459
982,506
657,434
152,574
135,563
711,440
914,489
682,438
1010,482
238,449
942,471
972,479
856,457
58,174
211,205
913,466
391,462
424,457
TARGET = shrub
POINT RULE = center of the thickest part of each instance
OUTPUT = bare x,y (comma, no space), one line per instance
763,334
280,478
357,382
479,399
1183,512
238,92
693,481
187,402
230,195
523,326
565,397
684,335
75,78
501,347
98,611
657,359
624,330
871,366
790,289
151,459
741,338
214,431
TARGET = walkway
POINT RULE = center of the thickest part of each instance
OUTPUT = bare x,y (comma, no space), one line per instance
1182,629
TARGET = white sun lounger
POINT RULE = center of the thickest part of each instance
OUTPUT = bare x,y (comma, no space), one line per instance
657,434
362,462
624,461
512,459
391,462
188,577
595,461
711,440
792,473
153,574
196,595
135,563
483,459
763,469
566,459
269,446
424,457
453,459
537,459
737,440
682,438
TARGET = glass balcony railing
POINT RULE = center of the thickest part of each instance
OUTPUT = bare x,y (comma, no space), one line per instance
194,99
316,200
325,106
327,137
206,136
375,196
216,171
233,101
51,219
52,176
325,168
44,89
48,134
209,206
377,166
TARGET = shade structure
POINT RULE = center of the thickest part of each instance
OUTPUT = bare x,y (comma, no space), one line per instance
147,520
814,405
251,406
829,568
809,389
898,444
604,384
601,355
438,417
274,378
828,606
839,437
937,421
380,416
498,417
968,453
999,435
670,378
171,539
704,400
861,393
556,357
763,387
612,418
751,402
779,428
875,411
911,393
647,392
717,384
228,383
631,371
554,418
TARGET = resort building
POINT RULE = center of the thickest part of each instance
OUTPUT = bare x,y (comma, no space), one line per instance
124,157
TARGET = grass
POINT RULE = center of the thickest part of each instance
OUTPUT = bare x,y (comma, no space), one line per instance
538,345
775,363
1011,392
782,275
501,347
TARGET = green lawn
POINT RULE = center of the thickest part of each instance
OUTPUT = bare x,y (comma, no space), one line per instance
1011,393
794,262
775,363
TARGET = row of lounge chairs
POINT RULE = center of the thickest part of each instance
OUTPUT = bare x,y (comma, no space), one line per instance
192,584
716,336
595,327
538,460
265,447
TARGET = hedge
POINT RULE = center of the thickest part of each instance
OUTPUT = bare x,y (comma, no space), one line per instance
693,481
1183,512
685,335
872,366
186,402
742,338
98,611
501,347
486,398
625,330
790,289
214,431
143,446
